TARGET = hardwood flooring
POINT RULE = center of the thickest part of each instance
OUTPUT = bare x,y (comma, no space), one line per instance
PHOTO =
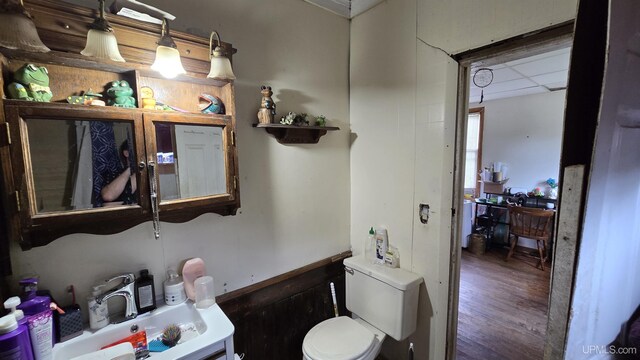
503,307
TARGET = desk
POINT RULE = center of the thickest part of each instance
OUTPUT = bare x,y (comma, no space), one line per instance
498,214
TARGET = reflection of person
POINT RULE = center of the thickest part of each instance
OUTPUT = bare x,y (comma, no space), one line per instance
114,177
123,186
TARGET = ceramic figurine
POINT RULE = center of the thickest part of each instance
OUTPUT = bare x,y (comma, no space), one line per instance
120,95
86,98
147,98
210,104
267,111
31,83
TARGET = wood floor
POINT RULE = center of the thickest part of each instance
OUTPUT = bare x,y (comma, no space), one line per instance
503,307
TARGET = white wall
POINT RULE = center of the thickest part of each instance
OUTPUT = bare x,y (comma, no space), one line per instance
403,96
607,287
295,199
525,132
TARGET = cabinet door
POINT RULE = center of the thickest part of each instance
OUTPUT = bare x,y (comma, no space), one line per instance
192,159
73,169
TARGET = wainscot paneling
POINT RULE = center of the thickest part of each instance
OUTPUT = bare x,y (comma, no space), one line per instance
272,317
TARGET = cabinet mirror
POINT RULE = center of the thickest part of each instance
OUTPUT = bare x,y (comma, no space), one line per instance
81,164
191,161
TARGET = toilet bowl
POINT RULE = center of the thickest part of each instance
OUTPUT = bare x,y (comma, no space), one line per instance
384,302
342,338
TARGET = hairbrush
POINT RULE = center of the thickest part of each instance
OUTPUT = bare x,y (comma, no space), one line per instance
171,335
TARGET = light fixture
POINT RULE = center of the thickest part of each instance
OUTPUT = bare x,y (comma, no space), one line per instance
167,62
17,30
101,42
220,63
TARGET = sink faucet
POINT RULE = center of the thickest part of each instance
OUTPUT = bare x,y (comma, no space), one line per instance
125,289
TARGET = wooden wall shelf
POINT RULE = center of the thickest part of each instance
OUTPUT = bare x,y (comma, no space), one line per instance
291,134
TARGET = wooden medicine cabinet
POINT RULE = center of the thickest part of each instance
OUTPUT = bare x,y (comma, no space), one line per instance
70,168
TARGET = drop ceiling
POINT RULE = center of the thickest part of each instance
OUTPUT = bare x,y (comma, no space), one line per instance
345,8
536,74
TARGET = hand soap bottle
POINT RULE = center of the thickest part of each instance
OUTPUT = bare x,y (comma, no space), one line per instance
145,292
98,313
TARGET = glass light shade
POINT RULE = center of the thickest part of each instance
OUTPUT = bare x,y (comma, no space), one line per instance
221,68
18,32
103,45
168,62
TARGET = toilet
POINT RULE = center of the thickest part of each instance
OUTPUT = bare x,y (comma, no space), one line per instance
383,301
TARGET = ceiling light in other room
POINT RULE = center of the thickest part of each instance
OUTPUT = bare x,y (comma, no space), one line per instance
167,62
17,30
220,63
101,42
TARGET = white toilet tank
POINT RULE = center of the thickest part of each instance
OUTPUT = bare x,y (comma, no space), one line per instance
384,297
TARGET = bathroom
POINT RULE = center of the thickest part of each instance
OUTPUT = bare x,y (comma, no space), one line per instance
306,204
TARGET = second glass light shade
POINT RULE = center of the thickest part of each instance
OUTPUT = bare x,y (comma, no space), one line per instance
221,68
102,44
168,62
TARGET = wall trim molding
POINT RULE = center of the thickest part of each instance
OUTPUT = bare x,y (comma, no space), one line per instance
224,298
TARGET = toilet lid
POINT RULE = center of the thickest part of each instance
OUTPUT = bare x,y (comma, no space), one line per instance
340,338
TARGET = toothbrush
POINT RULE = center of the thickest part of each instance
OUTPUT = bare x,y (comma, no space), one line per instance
333,296
411,351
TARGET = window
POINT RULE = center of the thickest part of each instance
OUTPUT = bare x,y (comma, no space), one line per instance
473,162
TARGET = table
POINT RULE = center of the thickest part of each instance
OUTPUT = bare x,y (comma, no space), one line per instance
492,220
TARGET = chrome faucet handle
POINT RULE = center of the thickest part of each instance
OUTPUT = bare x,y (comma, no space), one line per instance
126,278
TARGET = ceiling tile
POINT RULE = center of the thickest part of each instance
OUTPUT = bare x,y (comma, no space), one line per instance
564,52
505,74
509,86
544,66
554,77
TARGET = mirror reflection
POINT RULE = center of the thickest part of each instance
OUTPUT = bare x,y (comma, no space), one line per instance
82,164
191,161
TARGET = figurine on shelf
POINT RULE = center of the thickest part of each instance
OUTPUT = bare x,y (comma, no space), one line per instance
295,119
31,83
210,104
86,98
321,120
147,98
120,95
267,111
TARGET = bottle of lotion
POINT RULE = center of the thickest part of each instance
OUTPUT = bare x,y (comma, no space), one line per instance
14,339
98,313
39,319
382,244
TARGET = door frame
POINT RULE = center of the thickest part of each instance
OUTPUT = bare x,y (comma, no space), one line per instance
547,39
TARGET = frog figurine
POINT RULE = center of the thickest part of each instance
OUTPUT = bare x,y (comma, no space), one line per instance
31,83
120,95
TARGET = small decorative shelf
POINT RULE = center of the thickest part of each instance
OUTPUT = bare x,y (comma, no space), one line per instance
292,134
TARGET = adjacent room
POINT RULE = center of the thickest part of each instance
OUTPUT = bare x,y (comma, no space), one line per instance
514,136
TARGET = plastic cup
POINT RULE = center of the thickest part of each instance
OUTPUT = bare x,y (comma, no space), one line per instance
205,295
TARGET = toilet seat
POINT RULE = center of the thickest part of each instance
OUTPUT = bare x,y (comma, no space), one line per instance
340,338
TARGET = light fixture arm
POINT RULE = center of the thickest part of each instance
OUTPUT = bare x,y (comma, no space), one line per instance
100,23
218,50
166,39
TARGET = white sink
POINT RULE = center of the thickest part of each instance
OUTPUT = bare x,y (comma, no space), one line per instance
212,332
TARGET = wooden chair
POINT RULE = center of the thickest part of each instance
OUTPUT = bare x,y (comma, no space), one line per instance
531,223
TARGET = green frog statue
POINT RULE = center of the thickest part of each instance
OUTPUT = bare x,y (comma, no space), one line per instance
120,95
31,83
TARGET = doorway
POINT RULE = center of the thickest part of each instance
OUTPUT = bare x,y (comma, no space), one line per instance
509,145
